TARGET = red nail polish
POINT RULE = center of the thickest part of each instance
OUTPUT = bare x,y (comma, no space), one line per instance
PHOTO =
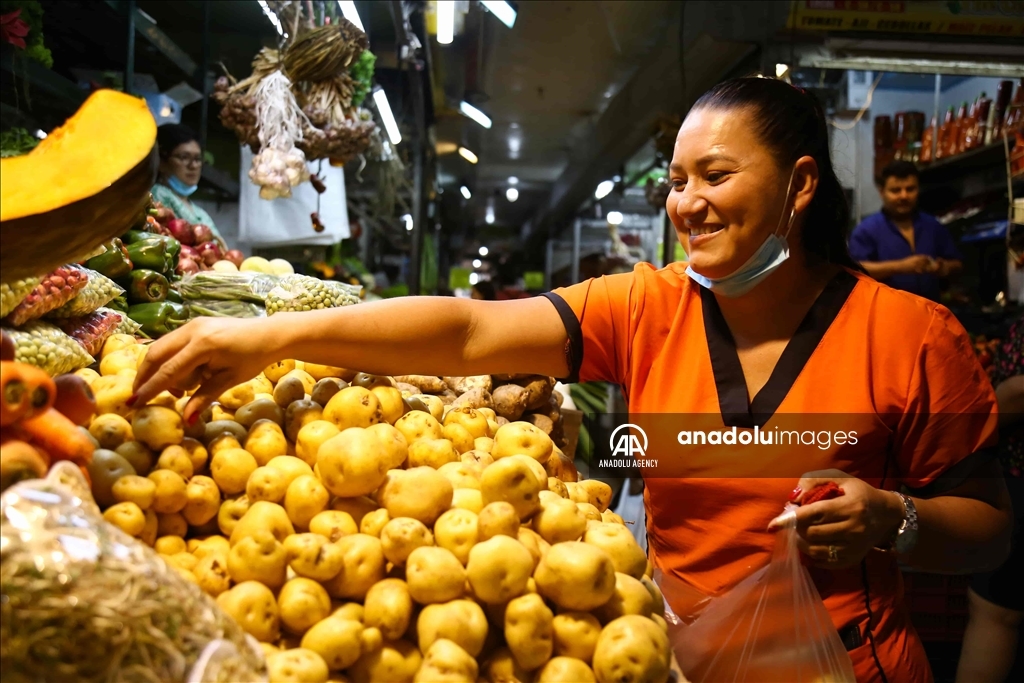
192,418
796,494
131,400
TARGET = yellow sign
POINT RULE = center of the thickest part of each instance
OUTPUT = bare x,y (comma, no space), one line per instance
1002,18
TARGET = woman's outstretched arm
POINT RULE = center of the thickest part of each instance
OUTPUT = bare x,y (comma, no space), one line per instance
411,335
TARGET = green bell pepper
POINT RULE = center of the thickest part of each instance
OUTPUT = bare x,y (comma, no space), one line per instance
175,296
152,254
114,263
119,304
158,318
146,286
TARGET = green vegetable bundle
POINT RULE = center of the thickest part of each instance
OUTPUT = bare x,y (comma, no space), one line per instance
251,287
361,73
211,308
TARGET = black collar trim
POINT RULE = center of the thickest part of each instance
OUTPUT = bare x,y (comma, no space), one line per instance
737,410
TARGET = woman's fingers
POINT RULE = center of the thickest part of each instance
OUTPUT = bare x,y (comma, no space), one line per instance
822,512
161,351
825,534
179,371
208,392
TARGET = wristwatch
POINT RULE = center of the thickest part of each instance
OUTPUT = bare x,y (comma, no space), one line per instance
906,536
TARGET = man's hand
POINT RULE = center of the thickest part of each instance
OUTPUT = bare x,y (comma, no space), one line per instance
917,264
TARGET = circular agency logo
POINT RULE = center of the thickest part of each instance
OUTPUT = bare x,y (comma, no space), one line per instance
628,441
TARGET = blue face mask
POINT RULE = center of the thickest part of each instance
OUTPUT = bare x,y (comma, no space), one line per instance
772,253
180,187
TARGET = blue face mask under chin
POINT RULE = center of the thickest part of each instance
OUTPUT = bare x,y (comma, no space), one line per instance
772,253
180,187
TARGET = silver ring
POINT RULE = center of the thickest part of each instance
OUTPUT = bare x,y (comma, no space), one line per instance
833,554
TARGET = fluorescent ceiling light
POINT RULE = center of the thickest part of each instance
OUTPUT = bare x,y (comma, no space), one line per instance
408,221
604,189
474,278
40,134
489,215
273,17
465,192
467,155
483,251
472,112
445,21
348,10
502,10
512,194
614,218
477,263
780,70
512,180
390,125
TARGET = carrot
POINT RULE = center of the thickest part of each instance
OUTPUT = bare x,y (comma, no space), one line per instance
57,435
25,390
20,461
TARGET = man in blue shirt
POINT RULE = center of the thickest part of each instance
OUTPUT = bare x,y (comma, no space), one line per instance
901,246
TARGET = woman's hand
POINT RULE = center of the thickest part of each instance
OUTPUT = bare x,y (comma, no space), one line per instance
851,525
213,354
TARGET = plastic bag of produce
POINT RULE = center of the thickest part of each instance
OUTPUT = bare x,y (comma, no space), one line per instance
47,347
13,293
84,601
305,293
127,325
198,308
772,626
252,287
91,330
52,292
99,290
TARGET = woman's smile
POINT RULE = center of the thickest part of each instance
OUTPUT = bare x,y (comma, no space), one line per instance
701,235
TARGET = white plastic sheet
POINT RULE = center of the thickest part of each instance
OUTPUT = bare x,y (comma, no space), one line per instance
281,222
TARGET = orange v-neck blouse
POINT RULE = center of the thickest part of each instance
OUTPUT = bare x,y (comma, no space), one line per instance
898,368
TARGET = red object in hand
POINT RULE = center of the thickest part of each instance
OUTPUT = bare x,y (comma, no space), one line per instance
822,492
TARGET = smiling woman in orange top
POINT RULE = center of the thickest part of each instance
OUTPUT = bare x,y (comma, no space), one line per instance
770,320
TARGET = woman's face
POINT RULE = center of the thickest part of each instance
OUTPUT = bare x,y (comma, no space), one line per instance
185,162
727,191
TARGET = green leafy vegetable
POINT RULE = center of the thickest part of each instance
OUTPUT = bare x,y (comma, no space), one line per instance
16,142
361,72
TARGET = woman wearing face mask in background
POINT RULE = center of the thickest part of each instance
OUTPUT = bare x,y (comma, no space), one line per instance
181,166
769,317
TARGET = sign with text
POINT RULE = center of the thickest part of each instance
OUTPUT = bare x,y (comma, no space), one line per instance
1003,19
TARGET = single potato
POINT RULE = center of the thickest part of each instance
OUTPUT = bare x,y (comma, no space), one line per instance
621,546
253,607
176,459
467,499
266,441
559,520
231,468
278,370
350,463
267,483
333,524
576,576
259,557
231,511
389,607
432,453
128,517
416,425
311,437
471,419
393,444
134,489
171,491
291,466
565,670
259,409
632,648
357,507
212,574
514,482
446,662
111,430
461,621
305,499
630,597
391,405
364,565
374,522
457,531
138,456
420,493
462,475
353,407
395,662
157,427
498,569
401,536
337,641
498,519
521,438
263,516
599,494
313,556
529,631
297,665
303,602
576,635
459,436
435,575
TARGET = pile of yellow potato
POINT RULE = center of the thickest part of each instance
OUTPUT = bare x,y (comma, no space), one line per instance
363,529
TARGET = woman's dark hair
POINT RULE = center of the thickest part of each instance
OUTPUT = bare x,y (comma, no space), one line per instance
792,124
486,289
170,135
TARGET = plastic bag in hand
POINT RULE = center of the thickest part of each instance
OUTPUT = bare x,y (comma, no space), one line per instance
99,291
772,626
84,601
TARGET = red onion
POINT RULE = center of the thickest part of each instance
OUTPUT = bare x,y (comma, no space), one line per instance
235,257
187,266
210,252
181,230
201,234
